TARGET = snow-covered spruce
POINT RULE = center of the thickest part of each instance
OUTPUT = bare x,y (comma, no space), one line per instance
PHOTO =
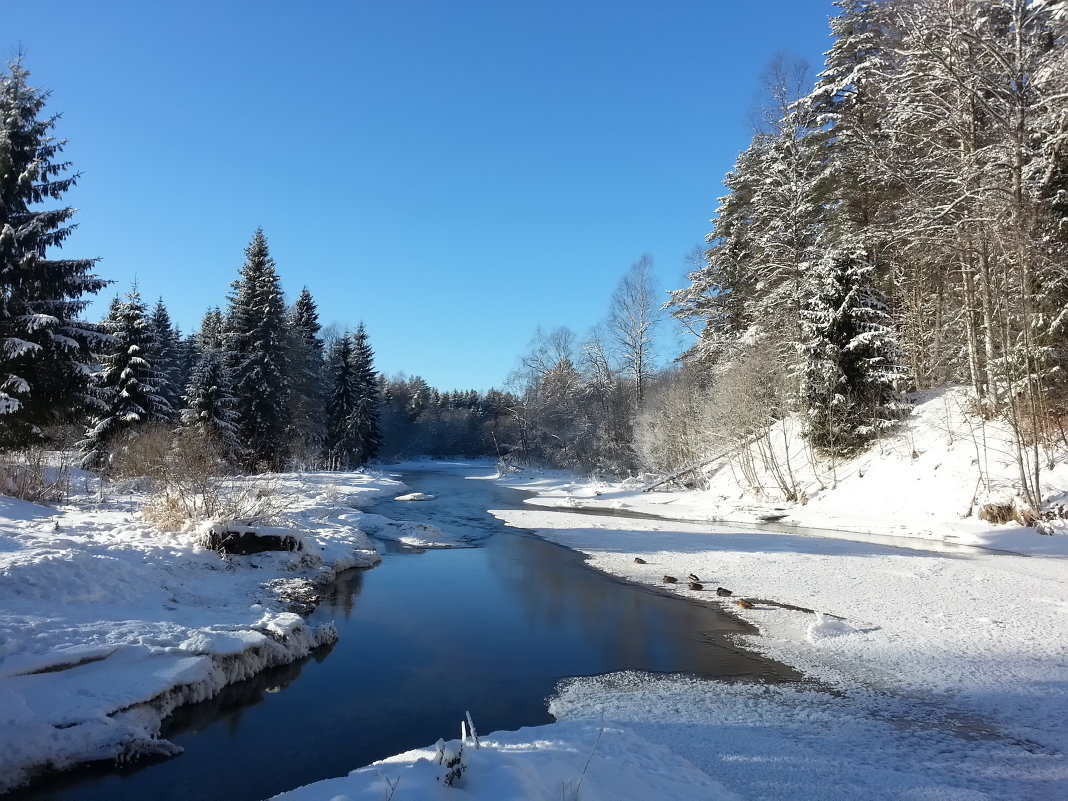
45,352
127,387
256,345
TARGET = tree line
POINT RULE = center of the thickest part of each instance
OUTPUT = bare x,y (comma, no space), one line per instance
903,225
248,385
899,226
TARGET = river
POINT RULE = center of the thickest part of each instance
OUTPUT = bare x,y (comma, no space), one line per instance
424,637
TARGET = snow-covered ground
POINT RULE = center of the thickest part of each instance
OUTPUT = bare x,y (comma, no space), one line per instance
926,482
560,762
948,661
936,644
106,623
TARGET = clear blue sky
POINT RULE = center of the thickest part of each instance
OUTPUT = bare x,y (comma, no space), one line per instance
452,172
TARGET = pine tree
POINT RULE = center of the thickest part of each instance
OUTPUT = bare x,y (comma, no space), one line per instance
126,387
257,343
307,391
342,441
209,412
367,412
852,364
45,352
163,354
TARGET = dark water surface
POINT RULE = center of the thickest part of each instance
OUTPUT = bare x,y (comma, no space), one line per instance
425,637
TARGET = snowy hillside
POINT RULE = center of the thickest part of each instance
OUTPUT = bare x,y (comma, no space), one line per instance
927,480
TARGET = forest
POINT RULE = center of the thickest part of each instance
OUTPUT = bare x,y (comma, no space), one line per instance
901,225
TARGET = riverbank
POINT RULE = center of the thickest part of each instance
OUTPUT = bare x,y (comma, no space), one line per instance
944,637
107,624
927,482
946,670
949,669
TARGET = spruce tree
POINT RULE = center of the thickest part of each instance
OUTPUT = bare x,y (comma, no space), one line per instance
186,357
852,364
126,388
307,390
209,412
257,343
849,104
163,354
212,333
45,352
367,411
342,443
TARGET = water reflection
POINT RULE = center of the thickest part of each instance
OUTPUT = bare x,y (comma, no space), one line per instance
347,588
210,769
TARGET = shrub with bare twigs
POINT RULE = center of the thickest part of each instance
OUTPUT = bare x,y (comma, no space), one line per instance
32,475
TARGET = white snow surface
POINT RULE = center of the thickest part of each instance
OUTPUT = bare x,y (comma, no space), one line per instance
947,655
414,535
568,761
935,646
107,624
415,496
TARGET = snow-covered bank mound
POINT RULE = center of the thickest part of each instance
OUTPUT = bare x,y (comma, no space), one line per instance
571,761
107,624
406,532
927,480
415,496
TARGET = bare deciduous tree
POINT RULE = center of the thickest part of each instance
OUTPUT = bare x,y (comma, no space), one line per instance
632,318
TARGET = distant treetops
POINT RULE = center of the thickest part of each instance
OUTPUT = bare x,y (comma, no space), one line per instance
250,382
255,383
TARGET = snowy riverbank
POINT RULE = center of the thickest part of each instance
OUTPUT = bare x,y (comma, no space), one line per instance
939,662
949,661
107,624
938,670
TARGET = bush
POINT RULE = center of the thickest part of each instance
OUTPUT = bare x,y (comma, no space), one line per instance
142,453
30,475
197,484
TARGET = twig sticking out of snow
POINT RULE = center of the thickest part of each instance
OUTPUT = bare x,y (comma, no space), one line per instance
474,732
578,785
392,785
